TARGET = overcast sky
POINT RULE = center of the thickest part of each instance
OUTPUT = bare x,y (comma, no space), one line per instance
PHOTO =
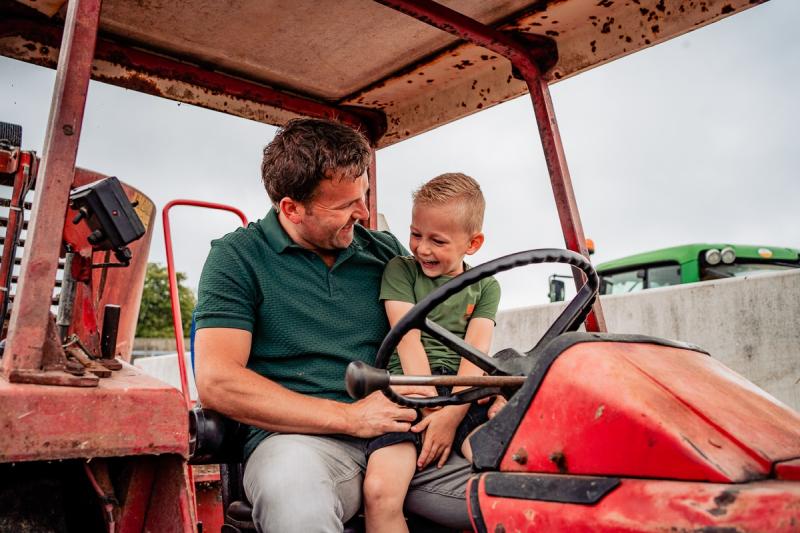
690,141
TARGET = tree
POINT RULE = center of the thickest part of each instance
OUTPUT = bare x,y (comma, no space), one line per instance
155,313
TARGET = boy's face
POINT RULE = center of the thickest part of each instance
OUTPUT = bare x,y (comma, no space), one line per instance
439,241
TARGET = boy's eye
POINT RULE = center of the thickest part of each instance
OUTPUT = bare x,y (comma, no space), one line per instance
415,235
437,242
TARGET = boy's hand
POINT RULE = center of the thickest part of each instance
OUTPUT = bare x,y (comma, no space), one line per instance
440,428
499,403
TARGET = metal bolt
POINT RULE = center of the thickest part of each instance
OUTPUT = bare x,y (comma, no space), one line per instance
68,130
520,456
499,528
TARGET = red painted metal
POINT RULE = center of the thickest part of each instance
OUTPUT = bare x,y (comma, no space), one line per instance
23,177
629,409
177,321
137,496
208,488
525,60
128,414
372,194
652,505
171,508
788,470
31,312
148,65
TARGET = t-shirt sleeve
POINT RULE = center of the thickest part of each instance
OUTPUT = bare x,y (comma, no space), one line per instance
397,283
226,295
486,307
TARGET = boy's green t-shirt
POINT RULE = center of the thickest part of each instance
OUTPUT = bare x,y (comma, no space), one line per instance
404,281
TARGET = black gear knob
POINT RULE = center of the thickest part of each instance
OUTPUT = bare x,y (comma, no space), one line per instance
362,380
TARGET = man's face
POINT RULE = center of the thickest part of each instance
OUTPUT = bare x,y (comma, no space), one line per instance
328,218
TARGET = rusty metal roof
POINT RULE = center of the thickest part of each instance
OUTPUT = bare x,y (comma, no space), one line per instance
251,57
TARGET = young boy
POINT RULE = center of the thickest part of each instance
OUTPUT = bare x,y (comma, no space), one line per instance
446,224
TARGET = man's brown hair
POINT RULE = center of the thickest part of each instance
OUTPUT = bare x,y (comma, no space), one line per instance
459,189
307,151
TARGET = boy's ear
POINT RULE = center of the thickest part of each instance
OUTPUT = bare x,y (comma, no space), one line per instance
291,209
475,243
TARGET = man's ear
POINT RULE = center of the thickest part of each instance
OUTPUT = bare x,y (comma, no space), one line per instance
292,210
475,243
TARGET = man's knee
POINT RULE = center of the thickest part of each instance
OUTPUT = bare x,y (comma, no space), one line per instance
291,487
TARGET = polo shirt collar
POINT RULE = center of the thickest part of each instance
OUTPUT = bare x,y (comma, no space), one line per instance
276,236
279,240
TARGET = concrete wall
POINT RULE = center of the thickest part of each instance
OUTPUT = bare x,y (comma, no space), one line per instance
751,324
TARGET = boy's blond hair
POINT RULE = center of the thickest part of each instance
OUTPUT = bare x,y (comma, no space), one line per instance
457,188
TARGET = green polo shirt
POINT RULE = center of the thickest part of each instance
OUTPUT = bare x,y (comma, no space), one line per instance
308,321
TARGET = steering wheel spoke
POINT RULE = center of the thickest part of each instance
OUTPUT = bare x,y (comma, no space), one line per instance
459,345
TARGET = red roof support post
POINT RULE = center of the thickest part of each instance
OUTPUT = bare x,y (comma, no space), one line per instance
30,316
372,193
526,54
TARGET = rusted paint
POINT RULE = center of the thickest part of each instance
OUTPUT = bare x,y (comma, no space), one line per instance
129,413
652,505
31,311
385,87
165,77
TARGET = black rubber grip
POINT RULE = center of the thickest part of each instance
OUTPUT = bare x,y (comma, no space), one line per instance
362,379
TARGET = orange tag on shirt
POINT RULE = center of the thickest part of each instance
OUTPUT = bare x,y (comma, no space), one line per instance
470,309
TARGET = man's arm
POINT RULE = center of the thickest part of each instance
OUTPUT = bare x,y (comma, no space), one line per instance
225,384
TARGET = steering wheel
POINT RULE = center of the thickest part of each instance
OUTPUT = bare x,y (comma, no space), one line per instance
362,379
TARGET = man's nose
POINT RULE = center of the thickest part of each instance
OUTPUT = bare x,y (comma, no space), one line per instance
361,211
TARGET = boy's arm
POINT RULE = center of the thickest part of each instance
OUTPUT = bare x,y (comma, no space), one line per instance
479,335
412,354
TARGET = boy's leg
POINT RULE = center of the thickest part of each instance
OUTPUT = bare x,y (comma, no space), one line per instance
389,472
439,494
304,482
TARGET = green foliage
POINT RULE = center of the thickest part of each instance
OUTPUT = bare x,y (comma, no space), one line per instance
155,313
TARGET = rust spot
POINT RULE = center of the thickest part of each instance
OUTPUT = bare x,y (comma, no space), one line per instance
480,105
660,6
727,9
29,47
644,11
428,81
593,44
628,39
607,25
560,460
557,75
722,501
409,81
605,3
44,50
536,23
552,33
484,57
499,528
655,28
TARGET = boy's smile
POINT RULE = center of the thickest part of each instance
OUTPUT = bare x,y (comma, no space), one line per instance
439,241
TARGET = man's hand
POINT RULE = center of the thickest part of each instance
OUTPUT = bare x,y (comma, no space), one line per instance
440,428
376,415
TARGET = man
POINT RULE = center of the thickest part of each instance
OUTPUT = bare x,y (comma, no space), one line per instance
284,305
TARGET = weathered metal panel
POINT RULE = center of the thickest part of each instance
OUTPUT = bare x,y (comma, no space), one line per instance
648,506
129,413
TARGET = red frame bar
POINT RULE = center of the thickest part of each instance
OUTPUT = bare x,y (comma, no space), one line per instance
372,194
521,57
177,321
31,312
